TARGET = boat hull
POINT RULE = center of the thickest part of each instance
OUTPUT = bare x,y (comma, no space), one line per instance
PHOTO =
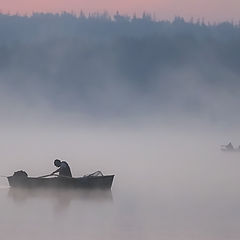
99,182
230,150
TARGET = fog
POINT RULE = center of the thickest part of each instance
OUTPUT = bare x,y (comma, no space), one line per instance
96,66
148,101
169,182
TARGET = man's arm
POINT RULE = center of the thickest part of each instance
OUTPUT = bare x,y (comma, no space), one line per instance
55,171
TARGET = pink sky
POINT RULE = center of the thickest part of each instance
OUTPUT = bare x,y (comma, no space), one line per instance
211,10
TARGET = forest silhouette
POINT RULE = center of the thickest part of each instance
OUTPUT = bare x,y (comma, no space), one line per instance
99,63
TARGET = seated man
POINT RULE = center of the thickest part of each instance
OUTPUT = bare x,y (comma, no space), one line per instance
229,146
63,168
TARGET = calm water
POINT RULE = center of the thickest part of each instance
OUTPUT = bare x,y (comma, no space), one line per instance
166,187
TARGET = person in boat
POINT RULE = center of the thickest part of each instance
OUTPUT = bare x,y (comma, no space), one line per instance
63,168
229,146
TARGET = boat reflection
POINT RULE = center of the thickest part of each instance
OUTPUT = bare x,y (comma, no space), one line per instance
62,198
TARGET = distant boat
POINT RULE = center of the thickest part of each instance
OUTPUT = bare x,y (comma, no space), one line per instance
226,149
229,148
20,179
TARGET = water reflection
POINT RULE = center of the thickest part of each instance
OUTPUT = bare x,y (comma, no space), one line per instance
61,198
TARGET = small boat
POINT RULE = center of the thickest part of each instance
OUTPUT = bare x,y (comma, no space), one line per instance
230,150
20,179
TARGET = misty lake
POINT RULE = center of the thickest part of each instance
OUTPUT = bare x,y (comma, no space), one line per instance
170,184
147,100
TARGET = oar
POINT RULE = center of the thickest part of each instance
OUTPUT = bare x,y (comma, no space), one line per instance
45,176
49,175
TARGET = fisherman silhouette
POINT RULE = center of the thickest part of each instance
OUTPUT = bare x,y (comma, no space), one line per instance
63,168
229,146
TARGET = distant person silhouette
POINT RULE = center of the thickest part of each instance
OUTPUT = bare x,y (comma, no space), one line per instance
229,146
63,168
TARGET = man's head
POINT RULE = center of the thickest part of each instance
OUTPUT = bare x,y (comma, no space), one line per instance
57,163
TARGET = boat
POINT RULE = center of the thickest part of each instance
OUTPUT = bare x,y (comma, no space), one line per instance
20,179
230,150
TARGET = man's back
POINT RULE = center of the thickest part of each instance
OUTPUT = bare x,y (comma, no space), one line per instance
65,169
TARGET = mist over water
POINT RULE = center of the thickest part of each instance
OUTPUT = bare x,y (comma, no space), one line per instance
170,182
150,102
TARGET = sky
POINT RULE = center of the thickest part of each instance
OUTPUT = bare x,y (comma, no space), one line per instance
210,10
